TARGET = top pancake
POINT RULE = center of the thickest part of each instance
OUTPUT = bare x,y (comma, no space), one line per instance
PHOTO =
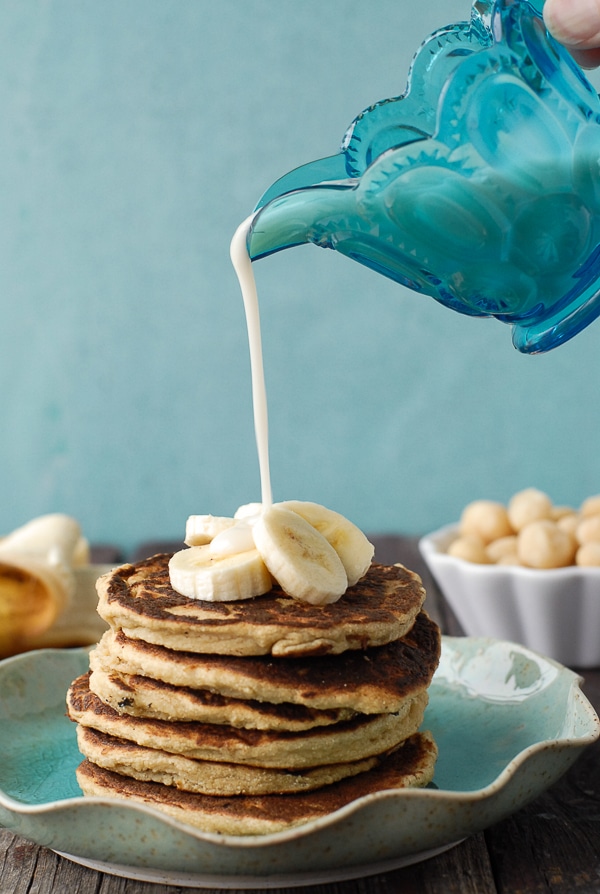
379,609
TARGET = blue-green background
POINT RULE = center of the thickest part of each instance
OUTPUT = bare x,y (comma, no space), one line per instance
135,135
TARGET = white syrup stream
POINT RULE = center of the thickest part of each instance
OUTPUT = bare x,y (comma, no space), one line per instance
243,267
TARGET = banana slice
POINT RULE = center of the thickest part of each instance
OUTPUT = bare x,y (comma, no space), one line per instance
198,573
236,539
248,510
300,559
354,549
201,529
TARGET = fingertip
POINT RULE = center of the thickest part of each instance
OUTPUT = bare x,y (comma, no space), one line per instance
574,23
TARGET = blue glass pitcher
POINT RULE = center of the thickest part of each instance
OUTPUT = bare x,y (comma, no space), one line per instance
479,186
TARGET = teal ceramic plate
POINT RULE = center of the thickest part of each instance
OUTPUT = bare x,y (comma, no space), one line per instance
508,724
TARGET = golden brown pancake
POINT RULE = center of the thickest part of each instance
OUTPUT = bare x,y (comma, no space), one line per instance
370,681
364,736
380,608
206,777
410,765
253,716
145,697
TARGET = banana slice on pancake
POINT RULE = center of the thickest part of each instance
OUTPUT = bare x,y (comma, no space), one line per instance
314,553
198,573
301,560
352,546
201,529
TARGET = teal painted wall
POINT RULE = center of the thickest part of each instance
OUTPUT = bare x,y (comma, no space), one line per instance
134,137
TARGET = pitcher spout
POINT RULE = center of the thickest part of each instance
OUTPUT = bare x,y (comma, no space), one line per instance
311,214
315,173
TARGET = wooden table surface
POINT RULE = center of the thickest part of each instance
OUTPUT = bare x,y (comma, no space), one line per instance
551,846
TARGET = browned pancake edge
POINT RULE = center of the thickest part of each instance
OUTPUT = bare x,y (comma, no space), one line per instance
369,681
411,765
378,609
146,697
364,736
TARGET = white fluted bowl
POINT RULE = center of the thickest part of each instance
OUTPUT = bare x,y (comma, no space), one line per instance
554,612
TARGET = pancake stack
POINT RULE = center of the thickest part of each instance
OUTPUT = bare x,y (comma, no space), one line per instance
248,717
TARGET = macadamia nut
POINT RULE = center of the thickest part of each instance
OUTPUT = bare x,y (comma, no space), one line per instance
559,512
542,544
568,523
486,519
591,506
469,548
503,546
527,506
588,530
588,554
509,559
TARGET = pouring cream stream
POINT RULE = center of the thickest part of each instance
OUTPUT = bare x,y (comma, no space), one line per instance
242,265
239,537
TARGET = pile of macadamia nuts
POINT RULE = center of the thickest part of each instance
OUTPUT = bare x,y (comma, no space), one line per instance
530,531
